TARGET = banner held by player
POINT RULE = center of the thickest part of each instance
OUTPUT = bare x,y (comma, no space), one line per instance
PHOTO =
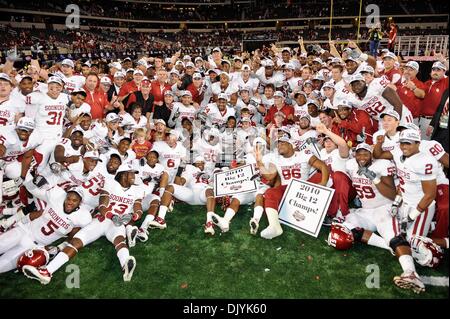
234,181
304,206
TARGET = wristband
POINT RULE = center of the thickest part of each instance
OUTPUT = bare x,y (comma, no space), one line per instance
136,216
413,214
376,180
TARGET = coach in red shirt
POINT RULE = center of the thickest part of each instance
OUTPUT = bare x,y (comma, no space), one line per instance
279,106
196,89
390,71
411,90
130,87
95,97
435,87
159,87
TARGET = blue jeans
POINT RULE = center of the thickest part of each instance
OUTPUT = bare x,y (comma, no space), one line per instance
374,47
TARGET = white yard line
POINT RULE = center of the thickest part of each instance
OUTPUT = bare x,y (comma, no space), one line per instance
435,281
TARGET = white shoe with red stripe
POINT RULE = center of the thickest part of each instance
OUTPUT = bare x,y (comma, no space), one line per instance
41,274
410,281
209,228
158,222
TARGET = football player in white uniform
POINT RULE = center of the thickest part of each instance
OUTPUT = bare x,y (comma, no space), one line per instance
209,147
194,189
17,148
259,144
218,113
120,202
62,217
390,121
68,151
154,180
335,154
378,97
284,166
71,81
374,184
50,111
9,110
245,80
182,110
417,173
171,153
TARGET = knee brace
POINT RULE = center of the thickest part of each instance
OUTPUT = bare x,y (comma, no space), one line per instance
358,233
398,241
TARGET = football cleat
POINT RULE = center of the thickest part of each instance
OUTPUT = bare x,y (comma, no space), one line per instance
40,274
254,225
142,235
130,265
209,228
132,232
271,232
158,222
410,281
220,222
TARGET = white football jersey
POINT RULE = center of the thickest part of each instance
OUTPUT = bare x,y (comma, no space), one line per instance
184,111
127,158
252,83
49,114
333,160
18,100
374,103
299,138
231,89
129,124
93,183
276,79
170,157
300,110
435,149
296,166
367,192
73,82
8,111
68,149
74,111
54,223
193,179
210,153
14,146
390,142
411,171
217,117
121,201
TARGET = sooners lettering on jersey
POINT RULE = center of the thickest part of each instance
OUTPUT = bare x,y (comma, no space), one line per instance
367,192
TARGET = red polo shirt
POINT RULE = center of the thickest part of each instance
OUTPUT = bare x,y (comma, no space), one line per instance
128,87
158,90
393,75
433,96
287,110
412,102
353,125
98,100
196,97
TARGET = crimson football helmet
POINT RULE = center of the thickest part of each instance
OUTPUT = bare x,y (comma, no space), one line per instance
340,237
425,252
36,257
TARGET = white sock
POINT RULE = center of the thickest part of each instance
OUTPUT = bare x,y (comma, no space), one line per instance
162,212
407,263
272,216
446,243
123,254
57,262
149,218
378,241
229,214
257,212
208,218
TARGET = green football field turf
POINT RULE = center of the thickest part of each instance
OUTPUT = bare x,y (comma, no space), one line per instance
183,262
